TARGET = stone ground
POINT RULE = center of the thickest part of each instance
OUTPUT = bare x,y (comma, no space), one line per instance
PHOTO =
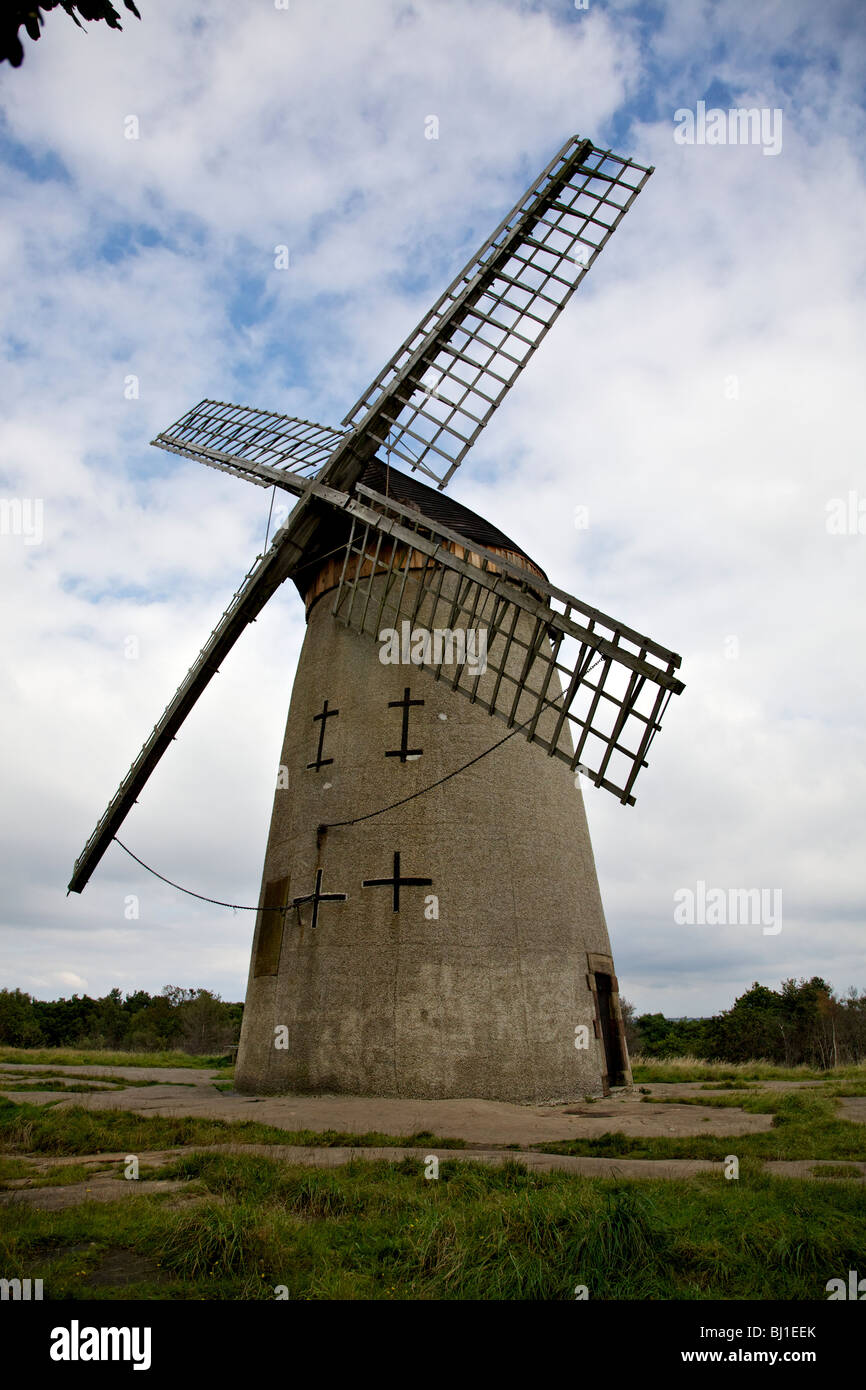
487,1127
188,1091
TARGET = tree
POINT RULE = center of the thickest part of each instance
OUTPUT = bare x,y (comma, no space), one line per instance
30,16
628,1022
134,1003
754,1027
154,1028
206,1022
653,1033
19,1026
851,1026
110,1021
178,994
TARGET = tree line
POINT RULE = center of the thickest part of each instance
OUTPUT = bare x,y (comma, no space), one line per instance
188,1020
803,1021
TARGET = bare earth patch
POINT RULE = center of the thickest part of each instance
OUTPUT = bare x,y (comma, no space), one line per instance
485,1126
476,1121
97,1189
189,1075
120,1268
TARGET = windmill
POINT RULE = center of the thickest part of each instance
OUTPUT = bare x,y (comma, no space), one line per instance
429,922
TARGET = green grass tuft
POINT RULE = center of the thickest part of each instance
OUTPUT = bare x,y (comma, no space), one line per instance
382,1231
75,1130
805,1125
695,1069
93,1057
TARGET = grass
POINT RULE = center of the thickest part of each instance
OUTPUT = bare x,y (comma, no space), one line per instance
759,1069
845,1088
40,1129
719,1102
62,1175
13,1168
77,1081
48,1086
93,1057
248,1224
381,1231
728,1086
805,1125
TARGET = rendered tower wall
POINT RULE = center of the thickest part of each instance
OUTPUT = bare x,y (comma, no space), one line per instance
475,986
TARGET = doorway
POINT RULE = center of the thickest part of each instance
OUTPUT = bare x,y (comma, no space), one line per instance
610,1039
609,1027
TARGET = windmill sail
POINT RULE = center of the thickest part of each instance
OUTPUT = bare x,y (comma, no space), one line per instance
258,445
584,687
266,575
427,407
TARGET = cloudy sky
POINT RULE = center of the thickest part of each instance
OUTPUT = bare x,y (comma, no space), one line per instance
702,398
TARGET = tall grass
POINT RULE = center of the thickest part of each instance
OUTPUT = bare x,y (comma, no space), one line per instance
95,1057
382,1231
758,1069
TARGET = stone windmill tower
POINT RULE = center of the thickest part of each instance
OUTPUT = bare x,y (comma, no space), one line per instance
430,922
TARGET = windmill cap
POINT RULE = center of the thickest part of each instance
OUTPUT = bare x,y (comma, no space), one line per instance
441,508
321,571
